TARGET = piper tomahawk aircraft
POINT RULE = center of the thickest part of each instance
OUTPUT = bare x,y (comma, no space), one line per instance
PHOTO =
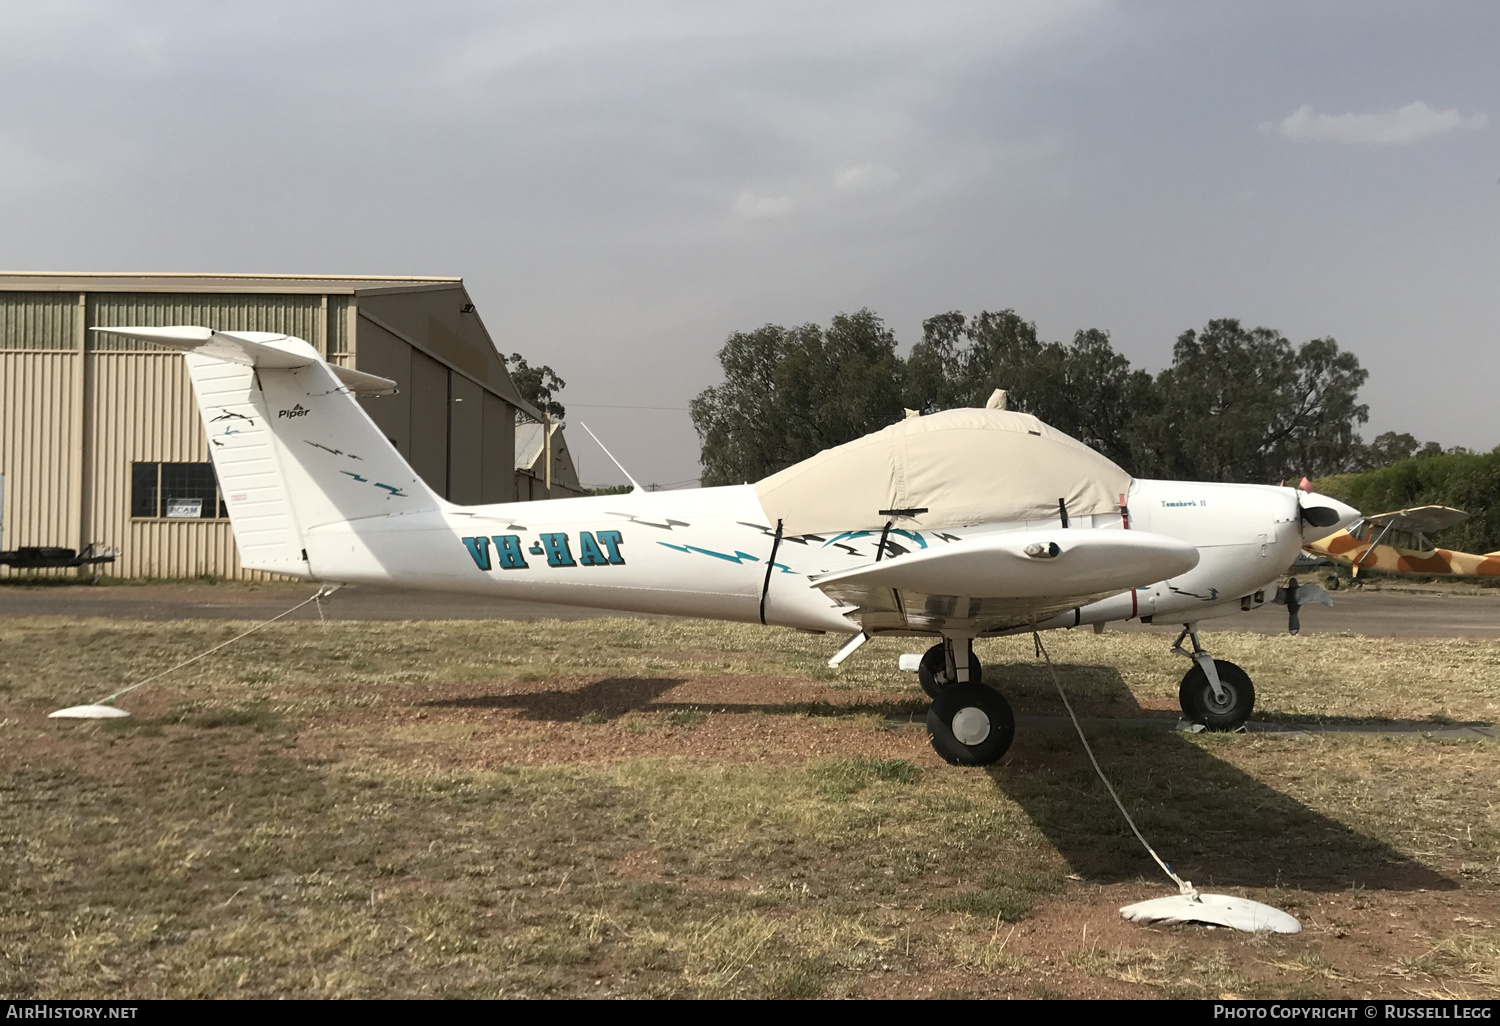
958,525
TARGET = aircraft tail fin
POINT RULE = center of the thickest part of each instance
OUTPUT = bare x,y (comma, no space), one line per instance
292,447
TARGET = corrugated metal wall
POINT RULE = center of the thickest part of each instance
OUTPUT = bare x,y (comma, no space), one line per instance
38,320
125,386
39,448
297,315
338,326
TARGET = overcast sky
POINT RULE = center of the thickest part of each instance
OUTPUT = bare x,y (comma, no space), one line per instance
622,185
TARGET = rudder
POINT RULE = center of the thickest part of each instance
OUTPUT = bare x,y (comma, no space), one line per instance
292,447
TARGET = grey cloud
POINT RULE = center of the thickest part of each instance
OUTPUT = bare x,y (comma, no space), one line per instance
1402,126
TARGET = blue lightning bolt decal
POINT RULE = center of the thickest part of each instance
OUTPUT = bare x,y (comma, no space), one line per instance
738,557
914,536
354,475
393,490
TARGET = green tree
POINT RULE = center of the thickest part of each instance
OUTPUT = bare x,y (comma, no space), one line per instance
789,393
1237,404
1315,432
1387,448
537,385
961,361
1093,394
1082,387
1243,404
1390,447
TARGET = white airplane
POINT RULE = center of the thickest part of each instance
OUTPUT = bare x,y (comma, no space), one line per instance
962,524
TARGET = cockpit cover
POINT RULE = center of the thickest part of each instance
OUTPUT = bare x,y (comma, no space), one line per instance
962,466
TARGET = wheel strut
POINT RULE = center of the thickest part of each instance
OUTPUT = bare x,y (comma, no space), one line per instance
958,652
1201,657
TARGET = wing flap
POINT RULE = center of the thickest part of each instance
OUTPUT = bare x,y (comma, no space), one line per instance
886,609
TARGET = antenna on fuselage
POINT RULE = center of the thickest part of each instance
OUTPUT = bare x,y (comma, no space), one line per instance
635,485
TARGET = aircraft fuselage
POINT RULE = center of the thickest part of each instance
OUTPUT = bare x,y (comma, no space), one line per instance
704,553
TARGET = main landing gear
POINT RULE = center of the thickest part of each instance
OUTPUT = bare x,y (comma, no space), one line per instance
1215,692
968,723
971,724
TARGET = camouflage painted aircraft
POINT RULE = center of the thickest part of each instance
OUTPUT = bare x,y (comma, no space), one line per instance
1396,542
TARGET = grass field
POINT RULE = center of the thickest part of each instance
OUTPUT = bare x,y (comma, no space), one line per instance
652,808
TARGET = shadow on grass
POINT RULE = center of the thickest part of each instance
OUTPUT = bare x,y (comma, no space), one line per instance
613,697
1213,822
608,699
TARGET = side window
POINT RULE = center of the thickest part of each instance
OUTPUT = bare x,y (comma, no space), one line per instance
175,491
145,489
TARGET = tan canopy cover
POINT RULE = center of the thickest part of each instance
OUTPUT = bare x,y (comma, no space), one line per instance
962,466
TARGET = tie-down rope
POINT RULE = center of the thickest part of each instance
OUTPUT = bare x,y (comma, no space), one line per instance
317,596
1183,886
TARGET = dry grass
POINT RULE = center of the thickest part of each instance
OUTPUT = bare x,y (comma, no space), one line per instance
1461,966
1309,678
680,809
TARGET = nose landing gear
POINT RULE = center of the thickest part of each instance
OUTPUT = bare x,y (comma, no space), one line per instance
1215,692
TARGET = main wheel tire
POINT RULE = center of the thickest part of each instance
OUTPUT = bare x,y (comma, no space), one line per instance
933,672
1199,705
970,724
1331,582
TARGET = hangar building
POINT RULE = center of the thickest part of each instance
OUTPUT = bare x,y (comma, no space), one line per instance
531,463
100,440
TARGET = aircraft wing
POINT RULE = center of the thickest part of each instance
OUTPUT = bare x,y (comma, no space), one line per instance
1421,519
1006,579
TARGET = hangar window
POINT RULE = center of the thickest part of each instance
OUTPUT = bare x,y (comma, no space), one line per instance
175,491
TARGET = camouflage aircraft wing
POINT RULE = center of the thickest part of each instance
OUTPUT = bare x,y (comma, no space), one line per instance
1006,579
1419,519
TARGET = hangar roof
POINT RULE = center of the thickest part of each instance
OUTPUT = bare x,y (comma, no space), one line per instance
120,281
529,442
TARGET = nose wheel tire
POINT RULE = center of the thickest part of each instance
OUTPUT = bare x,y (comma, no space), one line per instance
1199,705
970,724
933,671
